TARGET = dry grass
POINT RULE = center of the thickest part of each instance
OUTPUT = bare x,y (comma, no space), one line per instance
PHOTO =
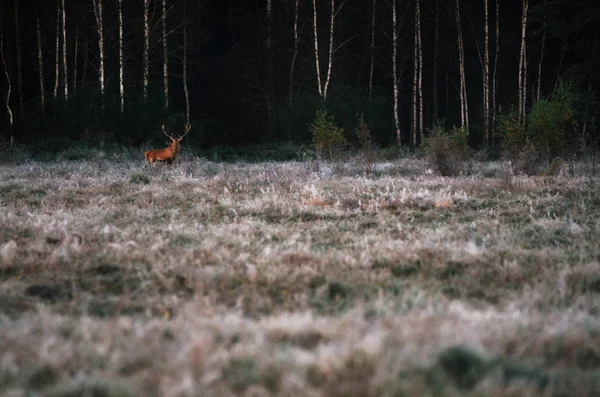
296,279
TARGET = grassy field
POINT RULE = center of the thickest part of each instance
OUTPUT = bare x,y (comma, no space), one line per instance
296,279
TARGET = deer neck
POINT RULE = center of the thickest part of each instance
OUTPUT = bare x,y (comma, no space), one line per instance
174,147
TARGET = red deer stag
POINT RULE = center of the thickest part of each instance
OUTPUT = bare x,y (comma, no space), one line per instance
168,154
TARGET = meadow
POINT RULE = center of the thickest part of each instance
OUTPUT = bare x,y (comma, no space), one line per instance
298,278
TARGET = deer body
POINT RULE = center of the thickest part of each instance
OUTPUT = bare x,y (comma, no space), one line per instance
168,154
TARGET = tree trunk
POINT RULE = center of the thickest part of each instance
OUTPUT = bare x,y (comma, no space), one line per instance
436,60
19,66
539,82
414,119
394,71
562,55
41,66
292,66
98,14
269,74
57,61
372,68
522,62
165,54
464,112
146,48
320,88
121,60
330,61
185,85
8,82
75,57
486,78
494,105
64,47
420,77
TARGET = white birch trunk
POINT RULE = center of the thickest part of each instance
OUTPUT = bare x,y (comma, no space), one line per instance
414,119
320,88
19,65
461,68
330,59
146,48
539,82
486,78
292,67
8,82
420,77
269,76
41,66
525,76
395,72
294,55
64,48
185,82
562,55
436,56
74,90
121,60
372,68
494,106
522,60
165,54
98,14
57,61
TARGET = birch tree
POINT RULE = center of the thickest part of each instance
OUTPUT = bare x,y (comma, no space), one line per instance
19,66
64,48
121,59
294,54
57,52
486,77
269,74
75,57
292,67
523,64
436,60
100,27
494,105
146,48
323,88
539,82
414,119
464,110
8,83
372,68
41,66
420,75
395,71
165,54
186,92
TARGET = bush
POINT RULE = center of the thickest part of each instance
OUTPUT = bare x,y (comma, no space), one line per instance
517,146
365,141
551,127
446,150
326,134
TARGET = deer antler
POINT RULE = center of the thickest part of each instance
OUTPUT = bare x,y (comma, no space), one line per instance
188,127
164,132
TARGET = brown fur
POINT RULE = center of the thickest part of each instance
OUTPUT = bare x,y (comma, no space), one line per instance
168,154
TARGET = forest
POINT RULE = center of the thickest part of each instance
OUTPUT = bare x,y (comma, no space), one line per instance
248,72
362,198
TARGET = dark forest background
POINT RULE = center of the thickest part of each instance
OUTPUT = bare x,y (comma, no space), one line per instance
239,85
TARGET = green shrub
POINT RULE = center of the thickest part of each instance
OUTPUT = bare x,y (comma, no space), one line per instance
551,127
366,144
446,150
516,145
326,134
